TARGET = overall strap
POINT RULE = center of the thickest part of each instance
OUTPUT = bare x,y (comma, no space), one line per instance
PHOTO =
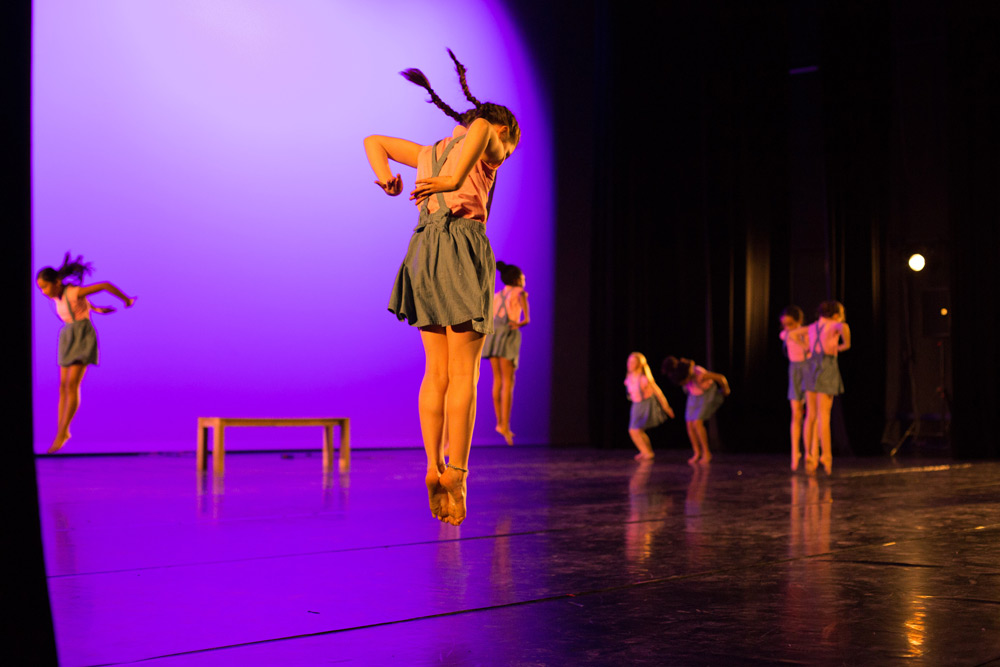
436,166
502,311
818,345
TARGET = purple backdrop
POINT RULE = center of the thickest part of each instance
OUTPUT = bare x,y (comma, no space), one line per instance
208,158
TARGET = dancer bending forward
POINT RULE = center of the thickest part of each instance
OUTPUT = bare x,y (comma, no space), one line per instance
703,400
649,406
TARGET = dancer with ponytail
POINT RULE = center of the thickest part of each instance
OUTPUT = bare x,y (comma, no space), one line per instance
77,338
503,346
445,284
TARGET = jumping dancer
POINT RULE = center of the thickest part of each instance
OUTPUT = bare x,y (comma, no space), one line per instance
445,284
77,338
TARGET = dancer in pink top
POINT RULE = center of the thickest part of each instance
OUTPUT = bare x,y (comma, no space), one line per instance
703,389
795,339
77,338
503,346
445,284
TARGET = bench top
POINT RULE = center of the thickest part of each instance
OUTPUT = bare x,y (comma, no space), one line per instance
273,421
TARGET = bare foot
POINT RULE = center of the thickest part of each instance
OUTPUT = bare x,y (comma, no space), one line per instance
827,464
795,462
645,456
706,458
508,435
58,443
810,466
454,485
437,496
695,458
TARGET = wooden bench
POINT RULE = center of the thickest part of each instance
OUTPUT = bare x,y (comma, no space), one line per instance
219,424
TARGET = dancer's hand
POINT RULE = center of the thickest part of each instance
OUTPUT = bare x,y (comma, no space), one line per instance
103,310
432,185
393,186
669,411
129,301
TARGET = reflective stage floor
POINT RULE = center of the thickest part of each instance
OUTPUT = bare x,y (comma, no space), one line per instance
568,557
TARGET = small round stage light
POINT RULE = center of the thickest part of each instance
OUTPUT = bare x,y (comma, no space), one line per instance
944,312
917,262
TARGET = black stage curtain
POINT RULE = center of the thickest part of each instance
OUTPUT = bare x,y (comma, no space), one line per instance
690,209
29,637
974,205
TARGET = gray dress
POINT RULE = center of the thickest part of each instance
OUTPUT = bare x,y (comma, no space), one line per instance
647,413
824,371
504,342
77,341
447,276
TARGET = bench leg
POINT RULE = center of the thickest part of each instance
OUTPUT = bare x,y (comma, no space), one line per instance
201,451
327,447
219,450
345,445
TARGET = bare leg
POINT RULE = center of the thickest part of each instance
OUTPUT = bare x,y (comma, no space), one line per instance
464,349
825,405
70,378
702,435
642,443
497,389
809,433
695,443
796,432
507,371
431,404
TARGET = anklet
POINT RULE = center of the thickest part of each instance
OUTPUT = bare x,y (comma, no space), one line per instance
457,468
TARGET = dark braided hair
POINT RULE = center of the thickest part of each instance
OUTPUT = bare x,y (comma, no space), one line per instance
71,268
460,68
492,113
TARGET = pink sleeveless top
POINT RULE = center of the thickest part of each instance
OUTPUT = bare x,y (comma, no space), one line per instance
698,384
70,297
470,200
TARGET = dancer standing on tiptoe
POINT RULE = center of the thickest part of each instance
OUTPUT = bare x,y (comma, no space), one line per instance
503,346
77,338
795,339
445,284
829,335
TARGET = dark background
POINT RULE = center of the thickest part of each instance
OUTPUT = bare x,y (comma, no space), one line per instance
716,161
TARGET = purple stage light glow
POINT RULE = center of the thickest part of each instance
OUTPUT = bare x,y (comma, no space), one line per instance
208,158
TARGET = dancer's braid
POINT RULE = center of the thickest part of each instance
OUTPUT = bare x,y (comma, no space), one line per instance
460,68
416,76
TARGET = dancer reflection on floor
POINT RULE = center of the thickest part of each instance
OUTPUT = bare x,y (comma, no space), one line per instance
503,346
649,406
445,284
829,335
703,389
795,340
77,338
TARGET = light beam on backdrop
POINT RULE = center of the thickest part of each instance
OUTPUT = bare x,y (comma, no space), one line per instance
208,158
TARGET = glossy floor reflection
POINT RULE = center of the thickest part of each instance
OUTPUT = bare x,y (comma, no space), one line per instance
568,557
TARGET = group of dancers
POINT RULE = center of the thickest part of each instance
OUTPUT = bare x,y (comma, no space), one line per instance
444,287
813,381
